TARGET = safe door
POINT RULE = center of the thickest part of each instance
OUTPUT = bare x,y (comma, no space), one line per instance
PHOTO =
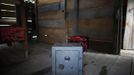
67,62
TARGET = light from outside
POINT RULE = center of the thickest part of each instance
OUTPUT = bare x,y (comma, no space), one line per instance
30,1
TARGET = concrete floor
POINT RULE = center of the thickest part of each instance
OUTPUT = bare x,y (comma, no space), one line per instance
39,62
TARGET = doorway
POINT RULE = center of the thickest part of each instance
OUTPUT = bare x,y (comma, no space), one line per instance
127,31
128,42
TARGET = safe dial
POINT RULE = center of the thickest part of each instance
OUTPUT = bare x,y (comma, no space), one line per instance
61,66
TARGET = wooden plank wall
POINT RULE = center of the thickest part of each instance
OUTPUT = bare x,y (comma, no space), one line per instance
7,14
96,22
51,21
71,18
96,19
8,1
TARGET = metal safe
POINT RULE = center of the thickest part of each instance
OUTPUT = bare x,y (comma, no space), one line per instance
67,59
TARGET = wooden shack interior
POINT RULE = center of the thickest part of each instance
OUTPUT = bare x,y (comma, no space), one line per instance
100,21
29,29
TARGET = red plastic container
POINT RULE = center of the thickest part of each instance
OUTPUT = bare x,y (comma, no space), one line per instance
11,34
80,39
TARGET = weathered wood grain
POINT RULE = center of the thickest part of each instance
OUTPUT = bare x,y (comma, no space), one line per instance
42,2
96,19
50,7
7,7
96,29
52,23
70,5
8,1
51,15
52,35
7,14
129,27
7,22
95,3
103,23
96,12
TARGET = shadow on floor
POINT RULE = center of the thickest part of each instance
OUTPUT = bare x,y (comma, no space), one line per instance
43,71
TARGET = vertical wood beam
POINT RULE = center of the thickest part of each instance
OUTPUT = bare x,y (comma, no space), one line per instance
18,12
75,17
116,26
22,15
24,24
36,17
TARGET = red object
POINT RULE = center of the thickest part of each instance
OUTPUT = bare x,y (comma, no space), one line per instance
80,39
11,34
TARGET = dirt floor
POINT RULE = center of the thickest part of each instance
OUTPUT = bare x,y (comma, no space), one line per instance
14,62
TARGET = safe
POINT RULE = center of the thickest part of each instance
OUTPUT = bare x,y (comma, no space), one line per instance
67,59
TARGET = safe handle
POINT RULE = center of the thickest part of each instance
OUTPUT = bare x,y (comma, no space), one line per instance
67,58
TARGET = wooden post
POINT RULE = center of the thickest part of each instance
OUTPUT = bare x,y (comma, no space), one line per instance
36,17
129,27
116,27
23,15
75,17
23,24
65,19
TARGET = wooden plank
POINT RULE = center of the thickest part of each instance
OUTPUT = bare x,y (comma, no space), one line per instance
7,22
70,5
68,24
97,34
51,15
92,10
99,23
75,18
7,14
96,29
52,35
128,42
54,7
42,2
52,23
47,1
8,1
49,7
7,7
95,13
95,3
